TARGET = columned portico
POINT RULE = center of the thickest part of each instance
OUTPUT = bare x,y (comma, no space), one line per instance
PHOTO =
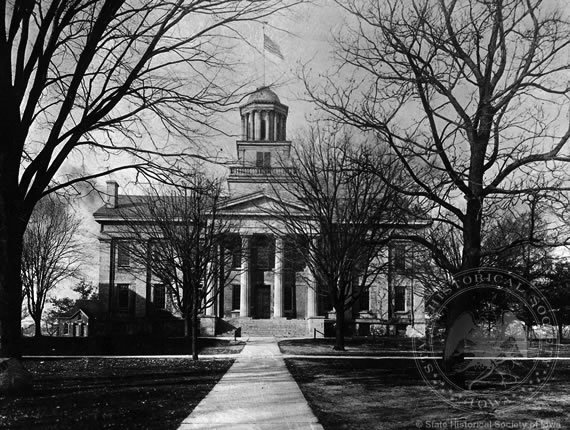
278,279
244,278
262,283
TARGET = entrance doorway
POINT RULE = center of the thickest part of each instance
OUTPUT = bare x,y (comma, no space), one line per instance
262,303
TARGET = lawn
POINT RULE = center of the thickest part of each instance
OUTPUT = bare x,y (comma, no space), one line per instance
390,394
353,346
94,393
125,345
365,346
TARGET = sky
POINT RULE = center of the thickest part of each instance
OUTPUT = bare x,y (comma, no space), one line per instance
304,37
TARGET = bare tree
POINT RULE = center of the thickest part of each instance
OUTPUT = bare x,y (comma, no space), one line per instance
51,254
177,237
346,218
90,80
472,98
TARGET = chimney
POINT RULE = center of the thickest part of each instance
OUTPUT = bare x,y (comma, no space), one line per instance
112,197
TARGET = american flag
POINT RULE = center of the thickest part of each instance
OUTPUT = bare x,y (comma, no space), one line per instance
271,47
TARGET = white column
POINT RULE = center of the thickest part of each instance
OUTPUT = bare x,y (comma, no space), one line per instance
311,289
278,279
210,291
244,278
311,296
249,131
267,124
257,119
276,126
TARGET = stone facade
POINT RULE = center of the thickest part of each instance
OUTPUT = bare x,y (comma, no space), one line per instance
270,290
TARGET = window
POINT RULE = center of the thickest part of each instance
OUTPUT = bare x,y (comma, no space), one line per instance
263,160
400,299
235,297
123,254
124,296
365,299
234,247
399,262
65,328
263,248
159,296
236,258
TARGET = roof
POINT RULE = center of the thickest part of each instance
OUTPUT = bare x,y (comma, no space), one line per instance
91,308
134,207
259,202
127,205
263,95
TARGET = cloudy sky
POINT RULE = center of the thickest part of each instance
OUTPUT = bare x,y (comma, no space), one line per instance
304,36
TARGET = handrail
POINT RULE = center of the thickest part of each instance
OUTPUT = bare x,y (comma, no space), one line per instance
315,333
258,171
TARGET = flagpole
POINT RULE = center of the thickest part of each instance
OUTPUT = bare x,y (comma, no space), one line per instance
263,51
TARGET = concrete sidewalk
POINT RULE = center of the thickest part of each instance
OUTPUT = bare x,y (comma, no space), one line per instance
258,392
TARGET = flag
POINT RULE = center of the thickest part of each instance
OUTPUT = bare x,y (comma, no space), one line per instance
272,47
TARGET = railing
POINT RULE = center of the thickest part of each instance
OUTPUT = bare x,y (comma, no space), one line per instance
315,331
258,171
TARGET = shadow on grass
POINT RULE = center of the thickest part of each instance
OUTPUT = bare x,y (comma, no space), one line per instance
111,393
126,345
390,394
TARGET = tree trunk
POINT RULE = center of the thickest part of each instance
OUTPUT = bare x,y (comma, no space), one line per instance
13,377
38,327
339,342
195,326
472,235
10,289
187,332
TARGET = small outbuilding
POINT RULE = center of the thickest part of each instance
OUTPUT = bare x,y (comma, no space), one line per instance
81,320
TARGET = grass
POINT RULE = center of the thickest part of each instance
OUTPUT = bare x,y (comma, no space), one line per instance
390,394
221,346
361,346
353,346
141,393
126,345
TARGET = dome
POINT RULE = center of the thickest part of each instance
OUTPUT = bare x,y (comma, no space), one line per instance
263,95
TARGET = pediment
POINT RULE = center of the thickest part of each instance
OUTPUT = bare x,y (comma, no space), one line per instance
259,203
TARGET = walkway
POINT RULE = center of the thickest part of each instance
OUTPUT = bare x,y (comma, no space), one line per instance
258,392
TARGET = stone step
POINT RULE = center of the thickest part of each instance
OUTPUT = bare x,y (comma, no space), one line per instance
269,327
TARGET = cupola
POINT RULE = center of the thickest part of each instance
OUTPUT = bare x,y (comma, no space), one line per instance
264,117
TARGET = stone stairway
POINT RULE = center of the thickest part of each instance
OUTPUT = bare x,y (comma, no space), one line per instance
270,327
